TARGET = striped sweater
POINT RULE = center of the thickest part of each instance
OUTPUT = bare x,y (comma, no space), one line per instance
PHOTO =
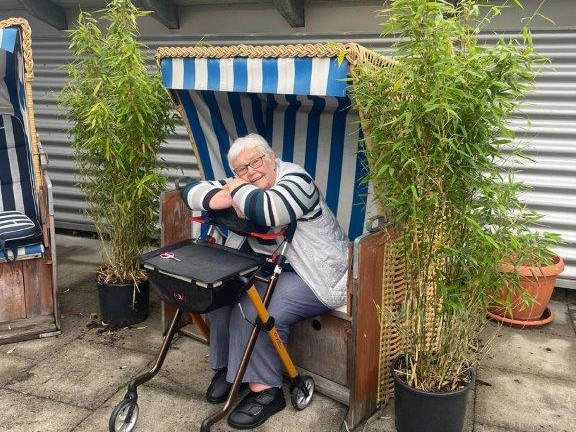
318,252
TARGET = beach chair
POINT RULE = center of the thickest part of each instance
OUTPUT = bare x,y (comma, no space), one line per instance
297,98
28,303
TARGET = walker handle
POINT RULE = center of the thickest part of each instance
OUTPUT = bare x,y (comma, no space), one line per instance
269,236
228,219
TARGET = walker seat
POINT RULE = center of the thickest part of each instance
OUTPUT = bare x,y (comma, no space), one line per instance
200,277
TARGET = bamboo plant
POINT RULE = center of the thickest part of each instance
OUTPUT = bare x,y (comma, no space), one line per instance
438,144
120,114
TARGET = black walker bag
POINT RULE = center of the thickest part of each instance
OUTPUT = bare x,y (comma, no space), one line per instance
204,276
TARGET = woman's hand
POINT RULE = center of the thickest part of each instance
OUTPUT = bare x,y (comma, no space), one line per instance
238,211
230,186
234,183
221,200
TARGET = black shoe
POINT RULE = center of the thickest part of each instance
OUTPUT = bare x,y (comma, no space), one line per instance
255,408
219,388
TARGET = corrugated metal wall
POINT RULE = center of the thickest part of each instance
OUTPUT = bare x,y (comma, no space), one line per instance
550,135
552,112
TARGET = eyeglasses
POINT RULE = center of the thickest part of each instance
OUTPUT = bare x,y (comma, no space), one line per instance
254,163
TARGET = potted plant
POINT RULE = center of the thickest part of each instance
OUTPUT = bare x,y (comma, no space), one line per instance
525,304
436,135
120,113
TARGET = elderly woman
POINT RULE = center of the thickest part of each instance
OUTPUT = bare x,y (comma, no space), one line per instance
272,193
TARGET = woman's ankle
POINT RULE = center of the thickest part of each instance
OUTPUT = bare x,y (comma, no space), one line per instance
258,387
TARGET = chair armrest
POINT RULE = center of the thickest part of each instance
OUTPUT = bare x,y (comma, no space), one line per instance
46,208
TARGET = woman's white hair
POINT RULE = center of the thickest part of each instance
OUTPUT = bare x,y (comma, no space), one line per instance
246,143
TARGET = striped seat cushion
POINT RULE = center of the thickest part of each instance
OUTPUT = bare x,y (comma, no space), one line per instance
20,237
17,190
299,105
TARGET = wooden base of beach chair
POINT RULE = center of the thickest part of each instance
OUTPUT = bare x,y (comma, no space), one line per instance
28,302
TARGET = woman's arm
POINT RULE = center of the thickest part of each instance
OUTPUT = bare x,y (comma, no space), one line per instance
293,196
207,195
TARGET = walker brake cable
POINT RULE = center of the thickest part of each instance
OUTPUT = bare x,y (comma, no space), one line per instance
251,281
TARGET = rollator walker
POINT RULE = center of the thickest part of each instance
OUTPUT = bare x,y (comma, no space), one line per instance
199,276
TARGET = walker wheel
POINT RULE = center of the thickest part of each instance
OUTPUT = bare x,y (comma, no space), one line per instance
124,416
298,398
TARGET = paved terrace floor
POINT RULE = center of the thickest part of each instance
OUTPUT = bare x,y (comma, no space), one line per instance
71,383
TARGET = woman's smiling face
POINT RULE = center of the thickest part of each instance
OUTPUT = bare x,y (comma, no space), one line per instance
256,168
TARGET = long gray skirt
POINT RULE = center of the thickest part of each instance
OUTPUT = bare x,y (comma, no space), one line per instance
293,301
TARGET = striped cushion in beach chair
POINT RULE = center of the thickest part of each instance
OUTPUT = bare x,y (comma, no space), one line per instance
19,235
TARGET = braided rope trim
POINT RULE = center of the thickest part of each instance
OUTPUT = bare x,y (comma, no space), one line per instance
353,52
26,42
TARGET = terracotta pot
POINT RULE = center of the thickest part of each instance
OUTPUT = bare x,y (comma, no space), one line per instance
538,283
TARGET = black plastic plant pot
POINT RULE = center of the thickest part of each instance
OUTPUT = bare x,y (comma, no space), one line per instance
121,305
419,411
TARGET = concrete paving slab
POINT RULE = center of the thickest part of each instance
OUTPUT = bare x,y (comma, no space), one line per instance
572,313
562,324
525,402
186,369
490,428
84,374
25,413
77,258
12,366
532,351
76,299
381,421
567,296
165,411
145,337
72,327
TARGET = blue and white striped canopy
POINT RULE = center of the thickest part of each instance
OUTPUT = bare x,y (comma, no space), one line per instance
296,76
299,105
